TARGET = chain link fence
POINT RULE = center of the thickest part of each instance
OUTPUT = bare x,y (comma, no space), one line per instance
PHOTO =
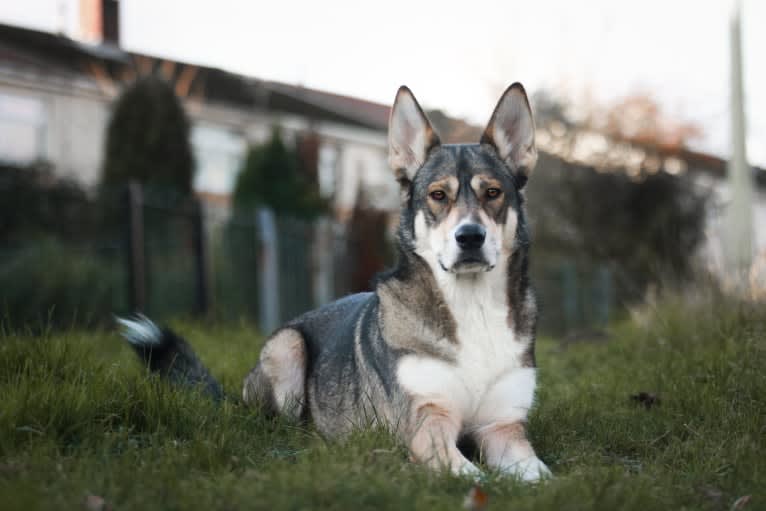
125,250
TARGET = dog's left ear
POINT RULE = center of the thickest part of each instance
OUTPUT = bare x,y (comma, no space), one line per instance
511,131
410,136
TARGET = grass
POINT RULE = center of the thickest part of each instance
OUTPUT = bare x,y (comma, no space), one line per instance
79,417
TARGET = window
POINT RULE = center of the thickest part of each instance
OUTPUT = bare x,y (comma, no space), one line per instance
218,153
23,127
328,160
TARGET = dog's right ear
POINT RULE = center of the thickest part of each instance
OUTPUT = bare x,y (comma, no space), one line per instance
410,136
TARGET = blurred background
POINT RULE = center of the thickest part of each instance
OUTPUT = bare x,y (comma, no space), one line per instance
227,160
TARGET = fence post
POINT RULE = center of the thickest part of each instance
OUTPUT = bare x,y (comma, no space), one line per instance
135,240
201,268
322,264
570,288
268,269
604,295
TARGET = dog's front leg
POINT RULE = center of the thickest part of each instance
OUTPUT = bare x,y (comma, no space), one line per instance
434,441
505,447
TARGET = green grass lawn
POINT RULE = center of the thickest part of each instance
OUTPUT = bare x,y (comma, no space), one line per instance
79,417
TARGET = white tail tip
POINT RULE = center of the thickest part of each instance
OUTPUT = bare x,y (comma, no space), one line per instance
140,330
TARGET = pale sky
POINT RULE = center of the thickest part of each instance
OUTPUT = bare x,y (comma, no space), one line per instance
459,57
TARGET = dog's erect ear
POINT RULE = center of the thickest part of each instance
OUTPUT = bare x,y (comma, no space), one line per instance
511,130
410,136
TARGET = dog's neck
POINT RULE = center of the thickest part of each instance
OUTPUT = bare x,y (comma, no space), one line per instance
498,286
434,300
482,287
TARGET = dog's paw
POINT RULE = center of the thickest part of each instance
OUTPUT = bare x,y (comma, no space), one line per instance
469,470
530,470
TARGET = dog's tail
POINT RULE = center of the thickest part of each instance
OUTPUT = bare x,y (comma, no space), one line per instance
169,355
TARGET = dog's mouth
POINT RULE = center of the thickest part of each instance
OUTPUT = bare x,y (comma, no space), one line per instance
468,263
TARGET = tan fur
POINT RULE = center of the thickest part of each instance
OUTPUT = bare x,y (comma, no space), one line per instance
283,361
434,442
480,184
405,309
448,185
503,445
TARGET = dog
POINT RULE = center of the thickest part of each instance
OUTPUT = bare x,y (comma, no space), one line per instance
443,348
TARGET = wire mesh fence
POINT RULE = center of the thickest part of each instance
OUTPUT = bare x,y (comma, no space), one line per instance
127,250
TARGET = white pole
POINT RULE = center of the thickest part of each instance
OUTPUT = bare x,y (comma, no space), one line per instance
739,214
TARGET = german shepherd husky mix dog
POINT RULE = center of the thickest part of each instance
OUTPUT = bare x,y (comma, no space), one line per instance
443,348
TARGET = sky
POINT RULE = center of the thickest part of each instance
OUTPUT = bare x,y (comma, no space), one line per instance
460,56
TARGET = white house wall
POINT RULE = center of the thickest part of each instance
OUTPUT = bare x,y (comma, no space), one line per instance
78,112
363,172
76,119
78,136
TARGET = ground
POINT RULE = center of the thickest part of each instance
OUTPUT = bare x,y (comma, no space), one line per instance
79,418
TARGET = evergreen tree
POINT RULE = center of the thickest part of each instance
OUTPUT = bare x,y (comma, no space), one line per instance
148,139
272,176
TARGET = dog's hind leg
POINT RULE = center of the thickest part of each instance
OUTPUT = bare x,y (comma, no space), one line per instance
278,381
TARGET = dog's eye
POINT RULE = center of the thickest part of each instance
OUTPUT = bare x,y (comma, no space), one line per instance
493,193
437,195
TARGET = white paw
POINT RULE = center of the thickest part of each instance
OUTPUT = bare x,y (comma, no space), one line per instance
530,470
469,470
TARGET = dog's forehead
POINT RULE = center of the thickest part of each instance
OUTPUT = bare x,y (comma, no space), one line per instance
462,159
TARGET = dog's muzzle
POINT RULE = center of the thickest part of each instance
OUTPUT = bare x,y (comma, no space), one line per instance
470,239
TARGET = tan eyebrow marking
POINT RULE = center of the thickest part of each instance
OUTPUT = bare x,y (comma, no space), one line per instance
481,182
449,184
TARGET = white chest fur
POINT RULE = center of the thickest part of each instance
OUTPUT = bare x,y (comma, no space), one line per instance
487,382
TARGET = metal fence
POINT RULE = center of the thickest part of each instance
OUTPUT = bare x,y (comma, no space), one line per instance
129,250
133,250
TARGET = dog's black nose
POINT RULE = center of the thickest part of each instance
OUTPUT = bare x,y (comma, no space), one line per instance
470,236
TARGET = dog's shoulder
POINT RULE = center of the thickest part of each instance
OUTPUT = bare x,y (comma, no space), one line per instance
413,315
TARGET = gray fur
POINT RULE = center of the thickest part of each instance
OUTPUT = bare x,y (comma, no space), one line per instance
348,351
353,345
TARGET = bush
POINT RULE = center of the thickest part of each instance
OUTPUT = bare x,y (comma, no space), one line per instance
34,202
646,231
49,285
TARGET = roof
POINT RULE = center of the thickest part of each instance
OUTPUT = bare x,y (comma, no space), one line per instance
365,112
57,53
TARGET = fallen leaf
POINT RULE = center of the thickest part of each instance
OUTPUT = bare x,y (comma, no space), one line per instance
476,500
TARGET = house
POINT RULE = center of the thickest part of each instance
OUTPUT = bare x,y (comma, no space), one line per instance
56,94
